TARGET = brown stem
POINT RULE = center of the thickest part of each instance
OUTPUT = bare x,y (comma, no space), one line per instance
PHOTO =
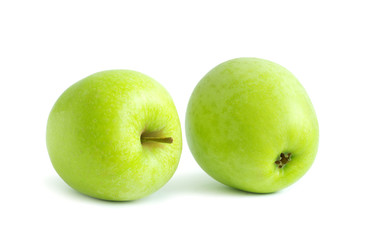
144,139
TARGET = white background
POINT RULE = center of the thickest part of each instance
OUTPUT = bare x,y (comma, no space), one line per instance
46,46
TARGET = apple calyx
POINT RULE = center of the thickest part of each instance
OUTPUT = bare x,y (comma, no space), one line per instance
144,139
284,159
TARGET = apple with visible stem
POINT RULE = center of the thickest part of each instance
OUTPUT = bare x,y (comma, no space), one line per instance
251,125
115,135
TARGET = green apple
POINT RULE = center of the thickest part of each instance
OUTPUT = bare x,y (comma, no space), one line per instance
251,125
115,135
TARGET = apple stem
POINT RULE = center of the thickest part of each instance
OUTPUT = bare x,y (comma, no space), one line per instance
144,139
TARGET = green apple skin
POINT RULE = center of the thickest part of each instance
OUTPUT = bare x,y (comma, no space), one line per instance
242,115
95,130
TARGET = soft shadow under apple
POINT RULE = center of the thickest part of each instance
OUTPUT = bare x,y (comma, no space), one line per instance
199,183
190,184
